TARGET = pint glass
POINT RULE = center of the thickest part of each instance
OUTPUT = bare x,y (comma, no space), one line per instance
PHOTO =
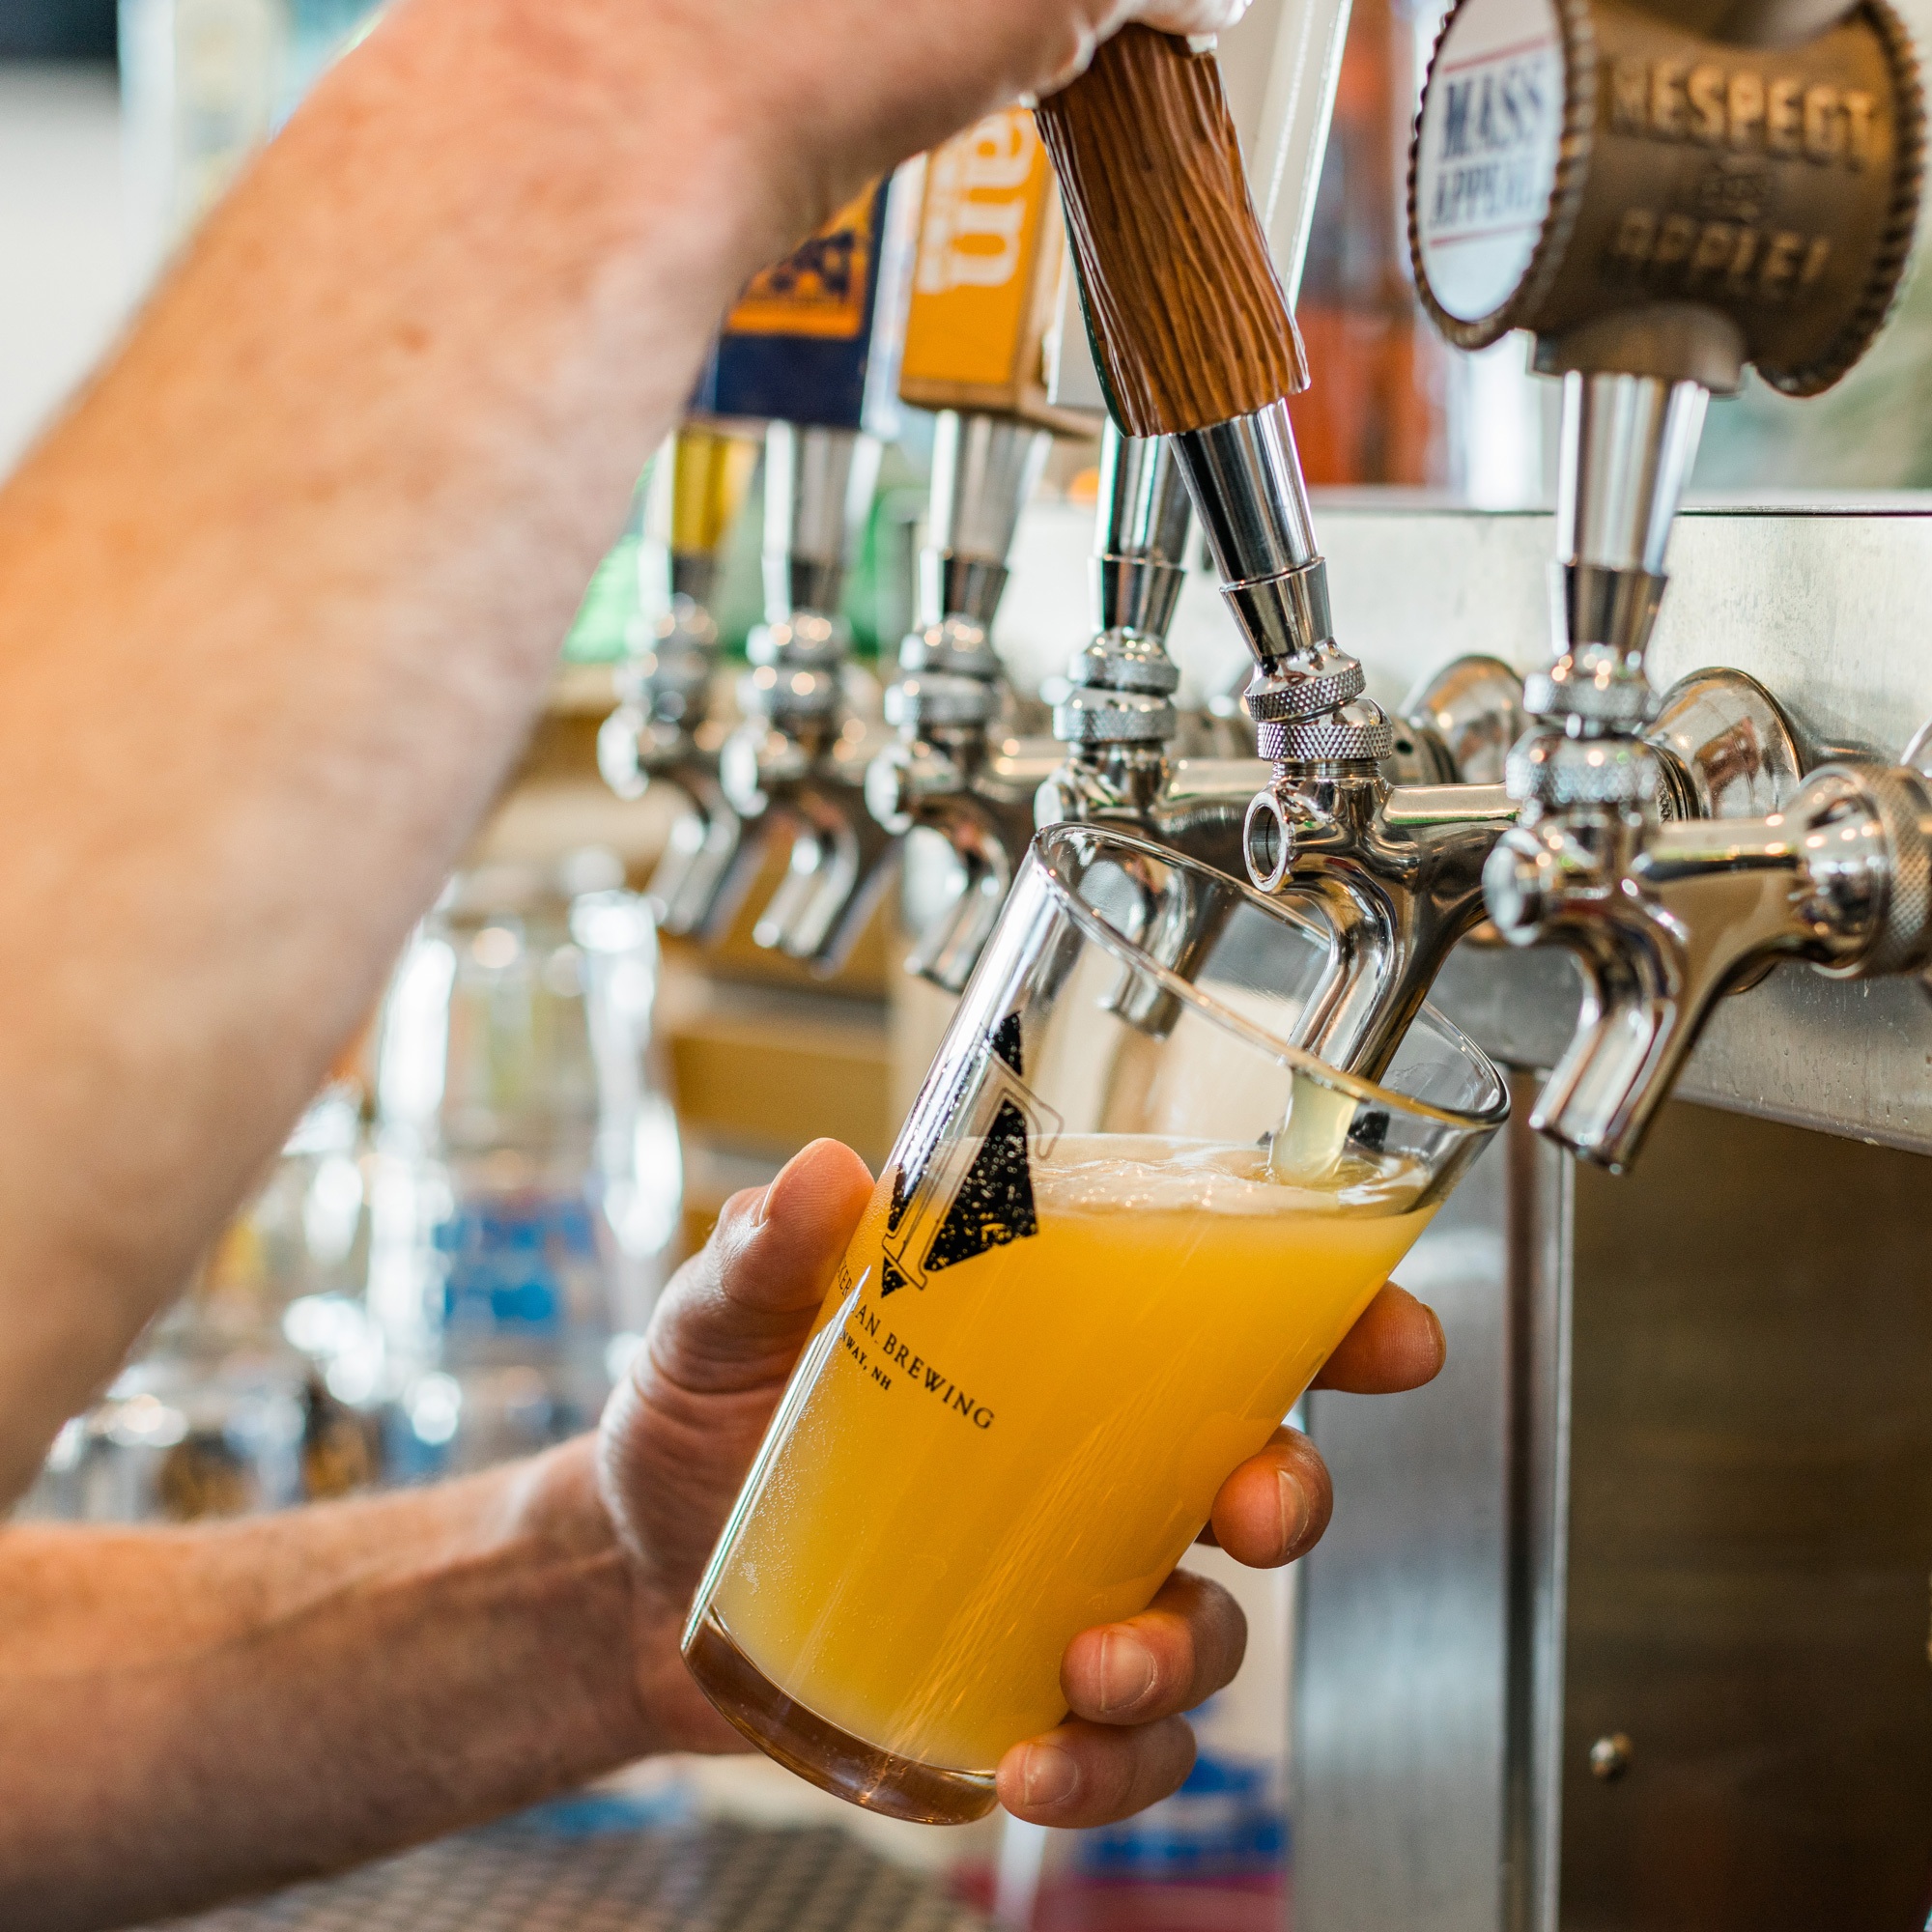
1124,1225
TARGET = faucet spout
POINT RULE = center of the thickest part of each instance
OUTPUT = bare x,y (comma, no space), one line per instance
1397,874
663,731
1667,919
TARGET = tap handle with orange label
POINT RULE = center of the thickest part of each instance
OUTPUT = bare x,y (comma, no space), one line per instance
987,267
814,340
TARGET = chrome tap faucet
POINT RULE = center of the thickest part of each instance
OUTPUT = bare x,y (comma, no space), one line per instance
662,729
798,763
1396,868
1605,860
1668,918
952,771
1118,719
1397,877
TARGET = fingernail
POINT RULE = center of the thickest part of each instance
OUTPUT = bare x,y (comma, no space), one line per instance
1052,1777
1127,1671
772,1186
1292,1501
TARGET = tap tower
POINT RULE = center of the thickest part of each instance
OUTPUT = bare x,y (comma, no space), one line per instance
662,729
1196,343
988,265
1662,200
811,349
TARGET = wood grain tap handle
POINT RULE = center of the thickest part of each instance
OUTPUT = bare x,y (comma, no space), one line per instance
1187,316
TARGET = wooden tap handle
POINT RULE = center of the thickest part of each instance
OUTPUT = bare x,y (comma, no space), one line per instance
1188,319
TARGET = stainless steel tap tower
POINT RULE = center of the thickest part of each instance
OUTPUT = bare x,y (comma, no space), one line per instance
1118,718
799,759
1607,1635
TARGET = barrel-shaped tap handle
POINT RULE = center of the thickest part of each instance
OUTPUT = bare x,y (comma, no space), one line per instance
1194,340
1188,319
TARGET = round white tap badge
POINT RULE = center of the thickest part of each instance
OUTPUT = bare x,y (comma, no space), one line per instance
1492,125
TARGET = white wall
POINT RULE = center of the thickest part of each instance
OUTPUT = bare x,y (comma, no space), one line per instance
63,263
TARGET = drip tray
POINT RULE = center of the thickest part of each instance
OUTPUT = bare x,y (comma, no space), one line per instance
525,1876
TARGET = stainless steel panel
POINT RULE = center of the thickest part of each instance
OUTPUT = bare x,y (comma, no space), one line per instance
1439,1570
1848,1058
1750,1537
1824,606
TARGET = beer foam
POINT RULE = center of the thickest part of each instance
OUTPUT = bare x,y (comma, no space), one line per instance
1095,1174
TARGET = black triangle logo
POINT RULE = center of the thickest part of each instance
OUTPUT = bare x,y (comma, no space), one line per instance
891,1280
995,1203
903,1193
1006,1044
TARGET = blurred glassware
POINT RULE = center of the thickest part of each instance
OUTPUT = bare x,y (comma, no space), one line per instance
204,84
526,1181
250,1393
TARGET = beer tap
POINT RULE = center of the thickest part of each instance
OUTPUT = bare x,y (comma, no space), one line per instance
1117,720
989,262
663,731
811,349
799,759
949,772
1196,343
1668,201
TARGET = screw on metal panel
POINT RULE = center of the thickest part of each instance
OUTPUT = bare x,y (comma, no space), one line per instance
1610,1757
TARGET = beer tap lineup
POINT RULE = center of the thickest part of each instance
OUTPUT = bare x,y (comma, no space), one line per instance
1656,203
1665,842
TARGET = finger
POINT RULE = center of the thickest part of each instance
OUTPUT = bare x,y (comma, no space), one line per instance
1182,1648
1085,1773
1396,1345
1275,1506
735,1315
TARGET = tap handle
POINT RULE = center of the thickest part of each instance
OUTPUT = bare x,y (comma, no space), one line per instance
1190,323
1584,220
697,492
818,490
990,264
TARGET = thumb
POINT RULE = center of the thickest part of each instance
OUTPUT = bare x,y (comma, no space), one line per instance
736,1315
683,1425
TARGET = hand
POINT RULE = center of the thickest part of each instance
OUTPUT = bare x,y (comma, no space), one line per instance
681,1432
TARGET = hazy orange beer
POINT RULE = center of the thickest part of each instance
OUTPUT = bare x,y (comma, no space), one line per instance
1123,1228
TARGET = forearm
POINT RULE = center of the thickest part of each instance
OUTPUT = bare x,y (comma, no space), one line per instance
281,594
189,1715
281,599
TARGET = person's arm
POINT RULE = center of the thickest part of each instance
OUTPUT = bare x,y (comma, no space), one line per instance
278,598
189,1715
